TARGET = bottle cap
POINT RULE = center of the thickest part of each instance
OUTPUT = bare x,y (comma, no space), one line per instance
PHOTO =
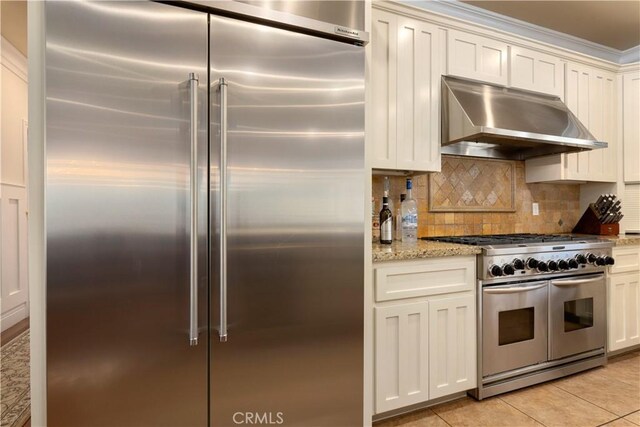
385,200
409,184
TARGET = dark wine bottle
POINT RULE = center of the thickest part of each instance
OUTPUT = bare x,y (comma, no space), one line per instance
386,223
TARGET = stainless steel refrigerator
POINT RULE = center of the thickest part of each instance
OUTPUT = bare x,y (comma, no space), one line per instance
205,217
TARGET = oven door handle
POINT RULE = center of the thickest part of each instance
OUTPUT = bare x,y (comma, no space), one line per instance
577,282
513,290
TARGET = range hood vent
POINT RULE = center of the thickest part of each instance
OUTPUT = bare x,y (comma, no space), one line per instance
486,120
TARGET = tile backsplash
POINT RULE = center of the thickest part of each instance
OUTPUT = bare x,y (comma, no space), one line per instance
466,184
559,206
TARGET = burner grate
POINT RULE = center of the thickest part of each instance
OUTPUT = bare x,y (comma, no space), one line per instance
503,239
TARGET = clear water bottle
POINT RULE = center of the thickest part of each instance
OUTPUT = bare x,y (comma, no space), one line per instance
409,209
398,219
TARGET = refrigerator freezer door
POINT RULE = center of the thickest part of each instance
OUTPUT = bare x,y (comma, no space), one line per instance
295,228
118,214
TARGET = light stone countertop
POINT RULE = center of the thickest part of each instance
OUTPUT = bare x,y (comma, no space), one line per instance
398,251
624,240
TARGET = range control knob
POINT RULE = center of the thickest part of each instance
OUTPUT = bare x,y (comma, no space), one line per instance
573,264
553,266
542,267
508,269
518,264
600,261
581,259
532,263
495,271
563,264
609,260
591,258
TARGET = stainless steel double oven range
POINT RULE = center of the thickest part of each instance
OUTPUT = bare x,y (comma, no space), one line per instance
541,308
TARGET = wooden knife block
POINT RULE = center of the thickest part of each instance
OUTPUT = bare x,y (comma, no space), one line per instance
589,224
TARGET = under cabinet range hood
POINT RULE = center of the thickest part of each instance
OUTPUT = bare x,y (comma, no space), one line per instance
487,120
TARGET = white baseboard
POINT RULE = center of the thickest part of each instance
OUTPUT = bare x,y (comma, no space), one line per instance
13,316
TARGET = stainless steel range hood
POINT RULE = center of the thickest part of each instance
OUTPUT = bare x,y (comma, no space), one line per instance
486,120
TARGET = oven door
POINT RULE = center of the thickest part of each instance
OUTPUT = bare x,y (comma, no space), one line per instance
577,308
514,326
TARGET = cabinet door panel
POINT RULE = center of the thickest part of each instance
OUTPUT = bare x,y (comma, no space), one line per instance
401,359
631,127
536,71
610,129
590,94
405,81
577,99
452,345
418,97
591,97
477,57
384,45
624,310
596,158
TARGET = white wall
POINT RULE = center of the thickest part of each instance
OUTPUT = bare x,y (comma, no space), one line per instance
14,292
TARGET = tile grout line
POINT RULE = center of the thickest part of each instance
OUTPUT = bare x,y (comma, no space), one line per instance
443,420
604,424
522,412
594,404
625,416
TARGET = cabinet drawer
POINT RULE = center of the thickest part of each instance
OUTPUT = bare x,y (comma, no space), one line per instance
426,277
627,259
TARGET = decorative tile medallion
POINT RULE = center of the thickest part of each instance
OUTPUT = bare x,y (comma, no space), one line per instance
473,185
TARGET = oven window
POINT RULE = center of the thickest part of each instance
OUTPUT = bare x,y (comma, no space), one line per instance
515,325
578,314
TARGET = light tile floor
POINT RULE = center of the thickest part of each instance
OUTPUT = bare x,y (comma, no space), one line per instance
607,396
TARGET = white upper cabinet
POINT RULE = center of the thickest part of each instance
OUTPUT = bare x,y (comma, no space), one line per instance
405,80
631,126
409,55
590,94
536,71
477,57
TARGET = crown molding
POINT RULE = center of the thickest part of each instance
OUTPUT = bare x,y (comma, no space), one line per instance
630,55
13,59
630,68
467,12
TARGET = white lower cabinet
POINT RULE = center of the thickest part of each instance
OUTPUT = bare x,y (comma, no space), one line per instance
452,345
624,303
402,374
425,341
624,299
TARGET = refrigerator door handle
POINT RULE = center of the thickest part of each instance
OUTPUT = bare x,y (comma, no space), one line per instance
223,210
193,181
